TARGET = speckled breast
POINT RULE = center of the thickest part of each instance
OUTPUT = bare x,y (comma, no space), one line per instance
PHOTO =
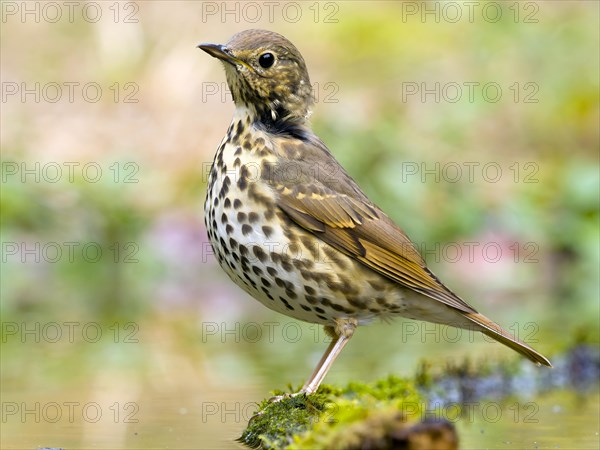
277,262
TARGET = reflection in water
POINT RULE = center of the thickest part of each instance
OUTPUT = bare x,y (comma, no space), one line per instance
174,387
561,419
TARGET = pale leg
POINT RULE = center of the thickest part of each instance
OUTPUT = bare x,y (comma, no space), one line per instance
342,333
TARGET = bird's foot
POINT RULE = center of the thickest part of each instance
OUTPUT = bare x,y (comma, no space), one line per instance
278,398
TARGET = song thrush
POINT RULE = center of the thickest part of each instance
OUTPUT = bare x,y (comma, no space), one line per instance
294,230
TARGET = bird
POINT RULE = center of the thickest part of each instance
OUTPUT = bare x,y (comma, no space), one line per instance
294,230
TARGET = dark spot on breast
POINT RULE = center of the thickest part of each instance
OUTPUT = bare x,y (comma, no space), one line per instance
244,171
312,300
257,270
233,243
284,284
238,130
319,310
360,304
228,229
309,290
286,303
227,203
243,250
237,203
307,275
241,217
246,229
265,282
259,253
225,188
272,271
311,245
286,264
223,218
267,230
306,307
253,217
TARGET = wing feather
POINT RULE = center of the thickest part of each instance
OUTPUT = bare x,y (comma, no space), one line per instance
336,211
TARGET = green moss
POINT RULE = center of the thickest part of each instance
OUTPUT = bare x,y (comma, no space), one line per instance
333,415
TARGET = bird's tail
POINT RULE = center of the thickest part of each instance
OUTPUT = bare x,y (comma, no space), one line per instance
494,331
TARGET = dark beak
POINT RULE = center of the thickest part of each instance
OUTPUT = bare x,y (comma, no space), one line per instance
220,52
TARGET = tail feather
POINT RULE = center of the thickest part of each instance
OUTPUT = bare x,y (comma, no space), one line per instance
494,331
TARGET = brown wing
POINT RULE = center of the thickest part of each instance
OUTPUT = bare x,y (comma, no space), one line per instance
323,199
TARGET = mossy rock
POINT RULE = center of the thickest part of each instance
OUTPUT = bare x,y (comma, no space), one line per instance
385,414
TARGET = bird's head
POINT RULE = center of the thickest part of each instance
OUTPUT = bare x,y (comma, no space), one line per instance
266,74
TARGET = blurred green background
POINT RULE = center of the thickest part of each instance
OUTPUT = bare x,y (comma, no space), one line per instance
111,299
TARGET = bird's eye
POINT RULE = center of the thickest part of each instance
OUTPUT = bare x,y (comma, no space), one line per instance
266,60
